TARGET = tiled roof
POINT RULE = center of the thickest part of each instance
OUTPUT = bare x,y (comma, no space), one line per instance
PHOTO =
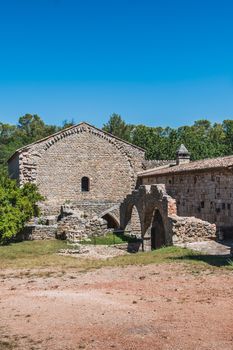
210,163
182,150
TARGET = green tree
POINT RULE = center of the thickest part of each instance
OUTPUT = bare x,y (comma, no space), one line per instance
228,129
17,206
118,127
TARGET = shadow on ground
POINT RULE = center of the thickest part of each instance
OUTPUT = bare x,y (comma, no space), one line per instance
213,260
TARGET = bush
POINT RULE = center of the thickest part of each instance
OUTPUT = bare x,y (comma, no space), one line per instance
17,206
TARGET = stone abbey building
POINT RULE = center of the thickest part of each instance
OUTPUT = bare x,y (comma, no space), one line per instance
98,176
81,164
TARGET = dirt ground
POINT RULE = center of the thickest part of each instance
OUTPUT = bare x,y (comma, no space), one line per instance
137,307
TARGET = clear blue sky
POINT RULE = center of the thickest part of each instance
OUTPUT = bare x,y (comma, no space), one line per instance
157,62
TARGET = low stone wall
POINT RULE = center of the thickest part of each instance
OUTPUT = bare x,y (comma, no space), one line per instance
191,229
92,208
38,232
75,225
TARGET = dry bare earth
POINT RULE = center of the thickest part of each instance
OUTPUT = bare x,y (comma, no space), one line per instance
164,306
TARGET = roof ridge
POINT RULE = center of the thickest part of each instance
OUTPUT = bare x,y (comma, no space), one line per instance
192,166
69,128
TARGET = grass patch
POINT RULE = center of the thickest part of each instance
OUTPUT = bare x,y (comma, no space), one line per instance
42,255
110,239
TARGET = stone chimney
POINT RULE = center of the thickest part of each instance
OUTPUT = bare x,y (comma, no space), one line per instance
182,155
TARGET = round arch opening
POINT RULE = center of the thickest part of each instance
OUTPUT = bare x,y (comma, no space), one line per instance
111,221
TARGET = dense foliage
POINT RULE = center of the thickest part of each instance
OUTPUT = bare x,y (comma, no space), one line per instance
29,128
17,206
203,139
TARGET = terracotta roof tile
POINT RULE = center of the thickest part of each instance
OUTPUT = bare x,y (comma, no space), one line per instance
210,163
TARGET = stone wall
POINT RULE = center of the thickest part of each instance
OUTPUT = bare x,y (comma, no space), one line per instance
158,220
58,163
207,195
75,225
191,229
38,232
94,207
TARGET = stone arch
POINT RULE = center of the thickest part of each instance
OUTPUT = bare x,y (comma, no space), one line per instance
111,215
155,207
112,222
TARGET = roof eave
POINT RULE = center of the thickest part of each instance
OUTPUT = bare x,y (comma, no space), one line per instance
183,171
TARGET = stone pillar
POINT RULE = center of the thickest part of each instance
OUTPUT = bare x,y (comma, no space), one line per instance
146,245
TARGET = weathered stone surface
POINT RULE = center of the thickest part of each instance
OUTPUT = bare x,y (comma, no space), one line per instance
202,189
161,211
191,229
75,225
58,163
38,232
157,218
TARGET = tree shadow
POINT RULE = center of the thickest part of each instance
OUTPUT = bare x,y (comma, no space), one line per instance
134,244
212,260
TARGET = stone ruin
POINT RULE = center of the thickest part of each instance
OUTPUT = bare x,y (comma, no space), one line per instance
152,213
73,224
76,225
148,213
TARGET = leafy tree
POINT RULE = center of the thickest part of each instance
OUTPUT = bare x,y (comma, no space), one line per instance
29,129
67,123
228,130
118,127
17,206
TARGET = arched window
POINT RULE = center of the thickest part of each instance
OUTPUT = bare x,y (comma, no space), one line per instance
85,184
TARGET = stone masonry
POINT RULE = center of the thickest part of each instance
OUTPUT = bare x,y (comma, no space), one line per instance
75,225
58,164
157,218
203,189
96,173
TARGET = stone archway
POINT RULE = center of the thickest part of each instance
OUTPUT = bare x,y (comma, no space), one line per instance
160,224
111,221
158,238
155,208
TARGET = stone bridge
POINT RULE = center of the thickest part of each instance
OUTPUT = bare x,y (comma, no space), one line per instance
150,213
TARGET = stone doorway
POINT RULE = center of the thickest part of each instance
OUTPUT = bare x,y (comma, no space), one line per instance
157,231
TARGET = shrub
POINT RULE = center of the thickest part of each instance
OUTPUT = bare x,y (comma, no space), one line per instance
17,206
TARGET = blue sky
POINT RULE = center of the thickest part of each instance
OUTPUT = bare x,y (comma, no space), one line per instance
157,62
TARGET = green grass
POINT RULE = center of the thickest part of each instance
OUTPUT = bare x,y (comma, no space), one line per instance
110,239
42,255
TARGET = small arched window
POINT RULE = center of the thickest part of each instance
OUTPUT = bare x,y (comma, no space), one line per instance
85,184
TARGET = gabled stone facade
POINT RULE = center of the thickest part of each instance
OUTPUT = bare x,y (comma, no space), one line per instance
59,163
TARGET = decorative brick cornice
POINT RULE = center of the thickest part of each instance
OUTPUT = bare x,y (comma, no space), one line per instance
28,164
